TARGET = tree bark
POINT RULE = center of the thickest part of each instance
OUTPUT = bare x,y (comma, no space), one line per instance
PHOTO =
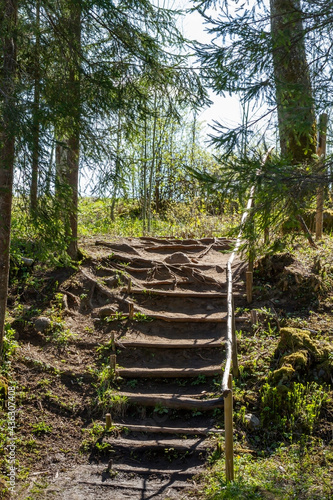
8,22
68,149
295,103
36,121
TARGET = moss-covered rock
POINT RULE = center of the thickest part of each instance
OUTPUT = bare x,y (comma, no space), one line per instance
281,376
294,339
3,390
297,360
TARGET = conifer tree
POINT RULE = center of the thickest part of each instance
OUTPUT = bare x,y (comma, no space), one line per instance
8,27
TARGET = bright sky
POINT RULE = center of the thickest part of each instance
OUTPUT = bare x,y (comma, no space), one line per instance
224,110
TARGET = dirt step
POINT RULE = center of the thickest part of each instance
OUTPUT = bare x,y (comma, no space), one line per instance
177,305
152,358
172,401
171,344
159,330
209,371
184,431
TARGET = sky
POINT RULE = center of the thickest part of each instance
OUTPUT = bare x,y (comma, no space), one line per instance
224,110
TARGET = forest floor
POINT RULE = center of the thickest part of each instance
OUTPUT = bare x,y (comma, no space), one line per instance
65,320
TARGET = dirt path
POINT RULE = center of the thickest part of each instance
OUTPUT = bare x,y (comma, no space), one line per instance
146,318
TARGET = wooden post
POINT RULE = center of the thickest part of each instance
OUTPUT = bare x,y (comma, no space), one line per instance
235,369
130,310
229,441
113,345
254,317
108,421
321,151
249,284
113,365
129,285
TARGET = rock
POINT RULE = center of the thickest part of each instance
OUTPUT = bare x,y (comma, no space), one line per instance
252,421
210,307
27,262
297,360
281,376
42,323
104,311
177,258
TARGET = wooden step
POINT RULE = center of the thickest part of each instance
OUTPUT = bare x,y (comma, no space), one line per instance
171,344
198,444
183,473
171,401
182,318
209,371
176,293
135,484
188,318
155,429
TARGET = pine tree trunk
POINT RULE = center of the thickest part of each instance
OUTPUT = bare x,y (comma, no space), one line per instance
295,103
71,174
36,124
8,22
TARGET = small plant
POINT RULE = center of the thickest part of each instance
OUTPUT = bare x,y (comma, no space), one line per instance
41,429
132,383
299,406
9,343
201,379
117,316
160,409
139,316
103,448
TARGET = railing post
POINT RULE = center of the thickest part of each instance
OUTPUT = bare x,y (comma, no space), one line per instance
234,353
249,285
229,440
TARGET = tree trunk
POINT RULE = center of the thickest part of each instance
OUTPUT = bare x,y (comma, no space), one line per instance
71,173
295,103
8,22
35,111
117,168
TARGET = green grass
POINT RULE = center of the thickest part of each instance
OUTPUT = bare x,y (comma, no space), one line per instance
298,471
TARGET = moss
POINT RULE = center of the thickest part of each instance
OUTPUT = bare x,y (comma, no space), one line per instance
3,390
297,359
282,375
293,339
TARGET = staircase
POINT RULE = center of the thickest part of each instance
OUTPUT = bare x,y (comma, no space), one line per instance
166,360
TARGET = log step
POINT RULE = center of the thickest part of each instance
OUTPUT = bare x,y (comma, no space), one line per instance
186,318
171,401
183,318
209,371
198,444
171,344
175,293
155,429
138,485
183,473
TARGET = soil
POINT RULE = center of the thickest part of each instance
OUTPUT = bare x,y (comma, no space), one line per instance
167,345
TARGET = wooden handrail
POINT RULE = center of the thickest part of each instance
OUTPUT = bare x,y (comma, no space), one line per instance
229,340
231,347
230,314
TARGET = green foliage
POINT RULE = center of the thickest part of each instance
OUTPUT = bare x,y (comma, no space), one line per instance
287,473
41,237
9,342
41,428
294,408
